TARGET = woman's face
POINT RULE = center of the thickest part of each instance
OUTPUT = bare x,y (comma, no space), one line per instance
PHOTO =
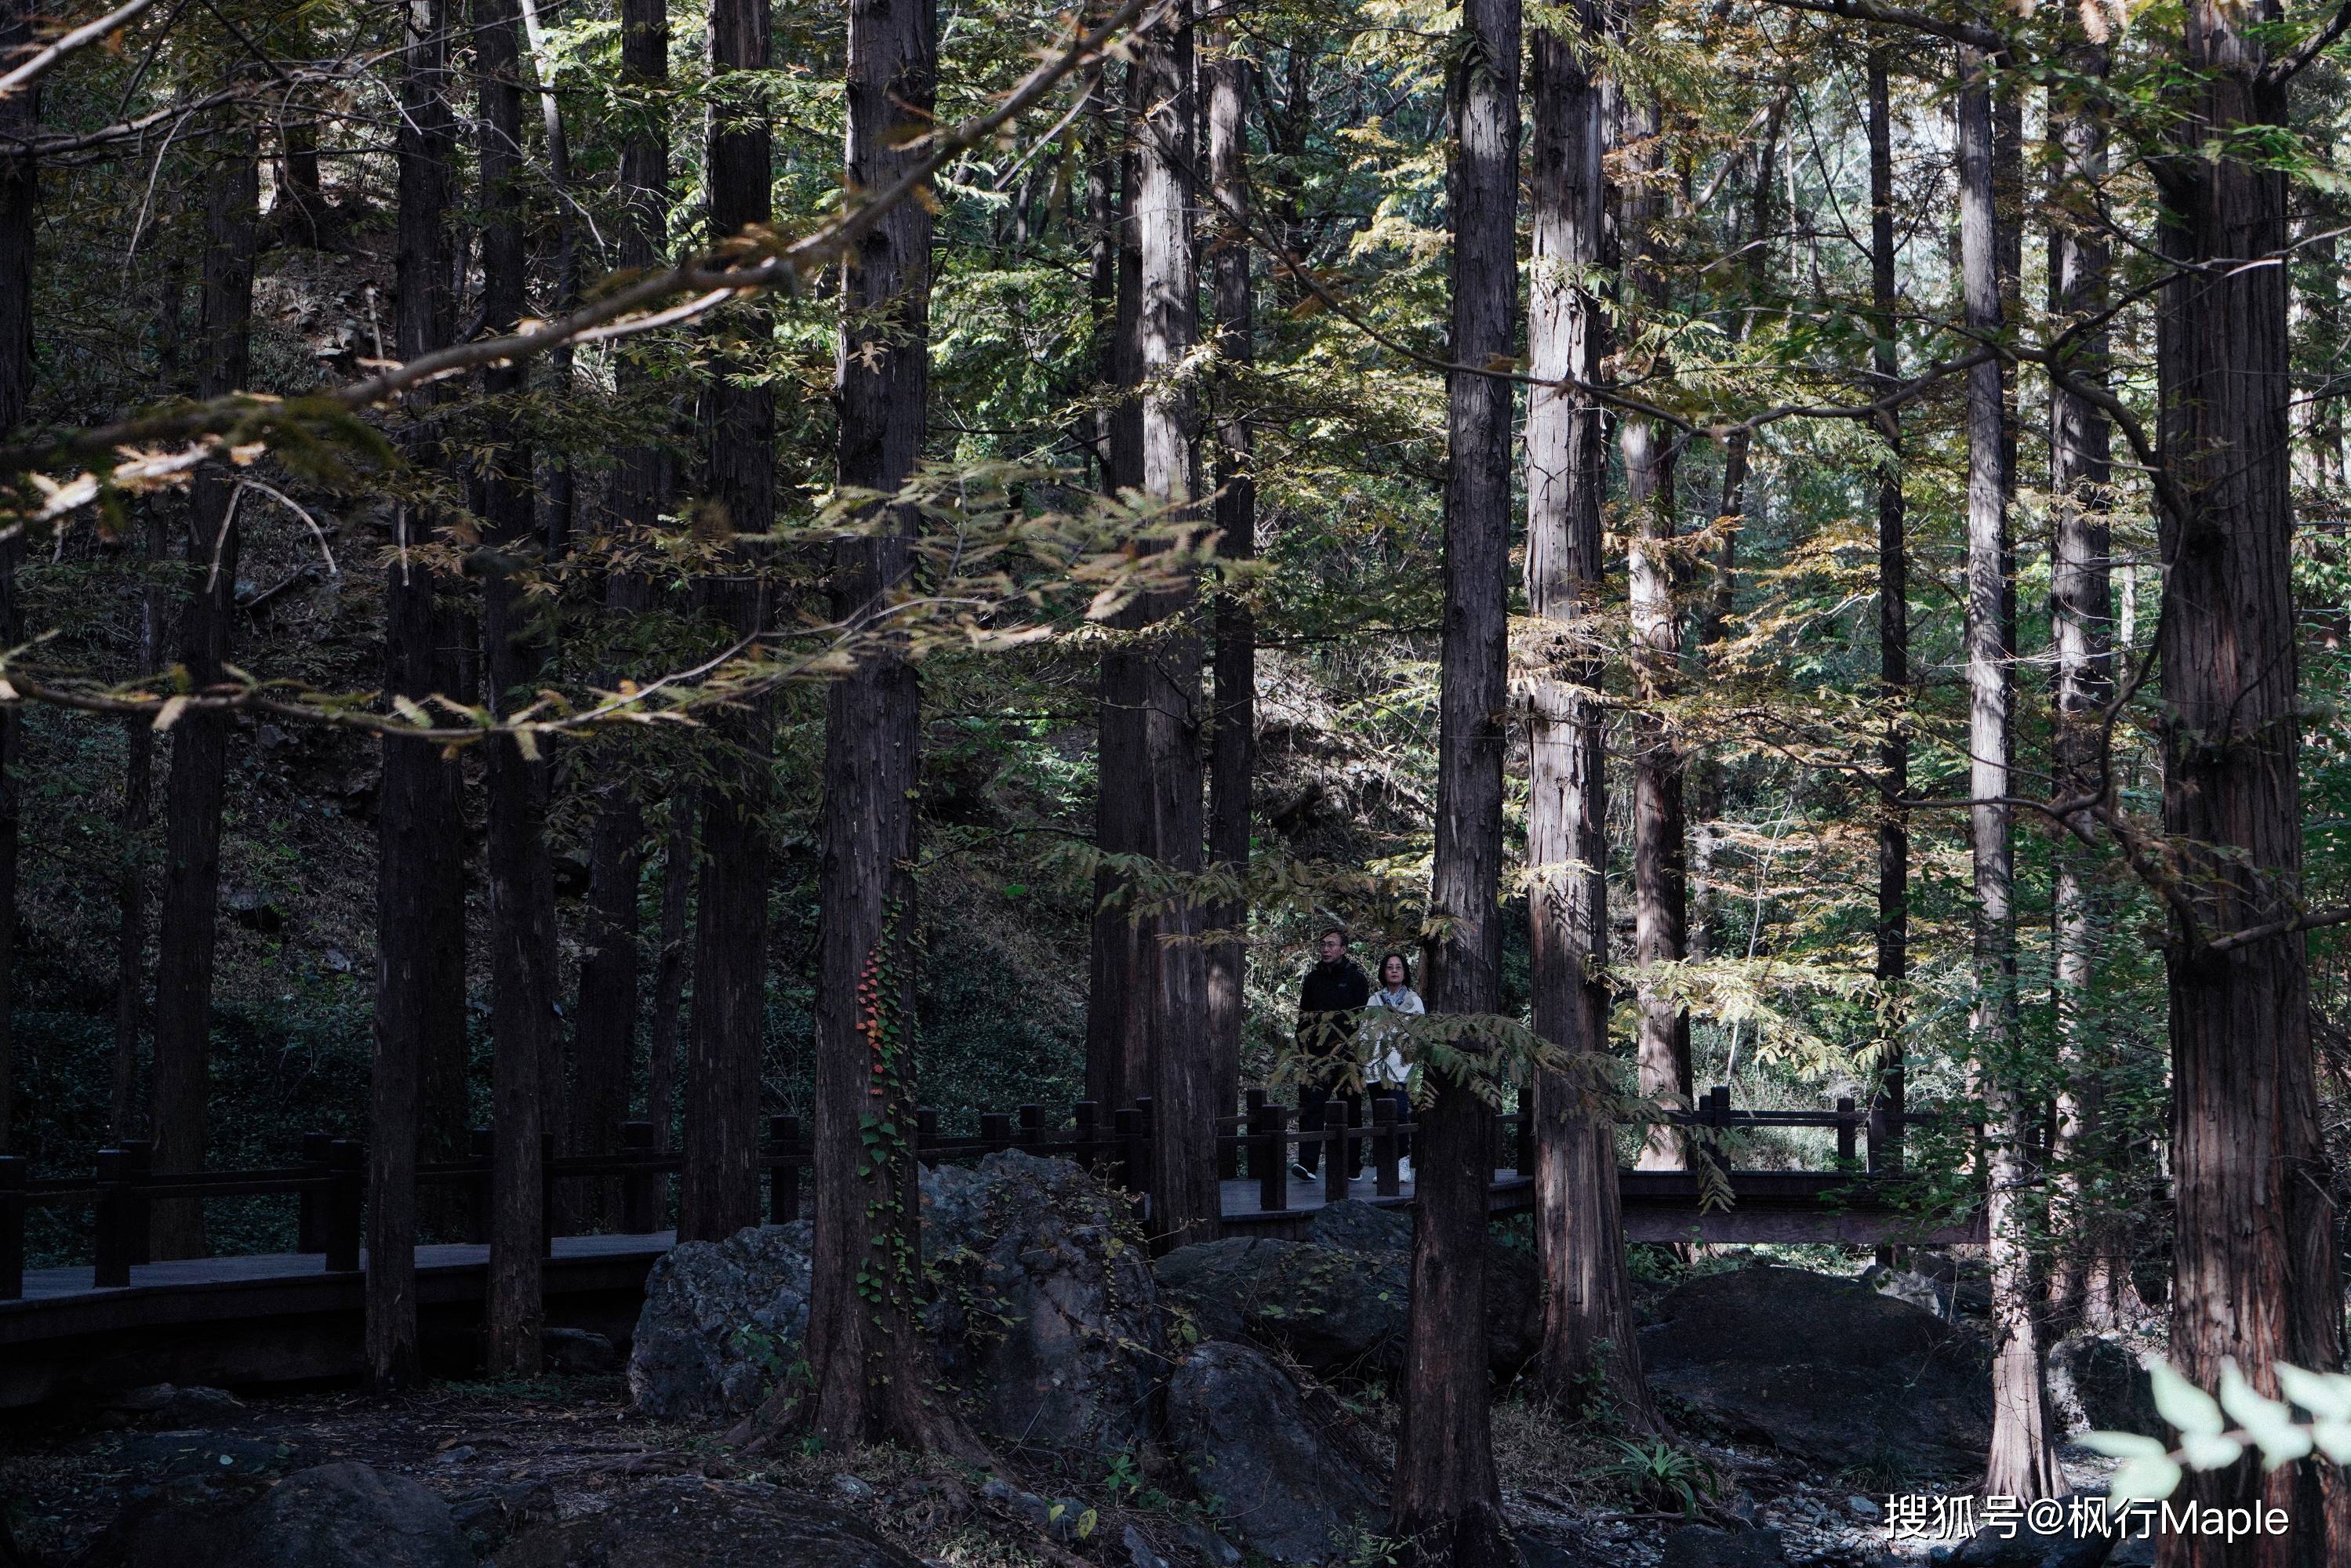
1392,972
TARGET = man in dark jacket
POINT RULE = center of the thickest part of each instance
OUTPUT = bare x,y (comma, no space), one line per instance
1335,991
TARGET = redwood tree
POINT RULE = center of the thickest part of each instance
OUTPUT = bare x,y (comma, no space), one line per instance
2023,1463
720,1192
1589,1324
866,1349
1892,934
2255,1275
1447,1499
190,909
420,998
20,113
522,886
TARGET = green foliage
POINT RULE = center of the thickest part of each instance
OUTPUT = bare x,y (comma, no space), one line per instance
1660,1474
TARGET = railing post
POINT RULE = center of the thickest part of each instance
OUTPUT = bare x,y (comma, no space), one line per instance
1525,1142
1134,1157
784,1175
1032,1126
345,1185
111,1244
139,1209
639,1187
1268,1156
1845,1129
1087,1118
1228,1149
547,1195
996,1127
1252,1102
1336,1147
309,1227
927,1131
477,1216
11,1226
1386,1181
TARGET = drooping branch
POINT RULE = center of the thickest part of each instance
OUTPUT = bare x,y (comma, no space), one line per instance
46,60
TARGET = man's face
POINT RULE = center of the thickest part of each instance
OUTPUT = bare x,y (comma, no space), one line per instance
1334,946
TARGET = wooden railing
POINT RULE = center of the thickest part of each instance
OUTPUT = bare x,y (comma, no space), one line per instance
328,1180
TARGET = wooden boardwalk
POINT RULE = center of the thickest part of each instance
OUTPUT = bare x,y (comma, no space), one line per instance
286,1317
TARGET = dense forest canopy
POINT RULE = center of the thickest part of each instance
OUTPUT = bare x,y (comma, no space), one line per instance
575,563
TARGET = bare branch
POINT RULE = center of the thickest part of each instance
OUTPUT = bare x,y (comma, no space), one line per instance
82,38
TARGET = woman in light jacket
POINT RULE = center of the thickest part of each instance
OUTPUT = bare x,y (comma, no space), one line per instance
1386,1074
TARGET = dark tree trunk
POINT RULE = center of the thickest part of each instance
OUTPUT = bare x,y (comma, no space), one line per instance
2023,1460
2255,1275
1892,969
670,971
20,113
199,780
138,811
603,1041
1118,1009
1660,883
2091,1272
720,1194
522,886
1589,1322
1184,1194
1232,759
1447,1501
866,1352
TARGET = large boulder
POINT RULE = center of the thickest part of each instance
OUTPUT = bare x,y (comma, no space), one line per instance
1047,1315
720,1323
1823,1368
682,1522
337,1516
2097,1384
1280,1484
1338,1301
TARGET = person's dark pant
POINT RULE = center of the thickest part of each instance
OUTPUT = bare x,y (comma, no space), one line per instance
1314,1104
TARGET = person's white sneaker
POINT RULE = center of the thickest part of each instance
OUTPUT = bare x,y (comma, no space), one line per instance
1302,1173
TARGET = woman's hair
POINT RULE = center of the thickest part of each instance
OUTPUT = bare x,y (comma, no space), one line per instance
1380,974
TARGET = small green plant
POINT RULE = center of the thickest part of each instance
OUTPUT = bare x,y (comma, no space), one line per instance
1662,1475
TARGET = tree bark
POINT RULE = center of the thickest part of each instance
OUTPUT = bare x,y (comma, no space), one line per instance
1447,1499
866,1352
420,1001
678,869
136,816
20,115
522,884
1892,934
1588,1316
2255,1275
720,1194
1183,1192
1660,881
2091,1272
1118,1011
2023,1459
1232,759
190,909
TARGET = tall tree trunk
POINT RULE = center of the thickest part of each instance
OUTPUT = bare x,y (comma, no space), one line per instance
2023,1460
865,1345
199,782
2255,1275
557,496
1588,1317
522,884
137,814
678,868
1183,1192
1660,884
1118,1009
420,1001
1232,759
2091,1272
20,115
1892,967
604,1034
1447,1499
720,1194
